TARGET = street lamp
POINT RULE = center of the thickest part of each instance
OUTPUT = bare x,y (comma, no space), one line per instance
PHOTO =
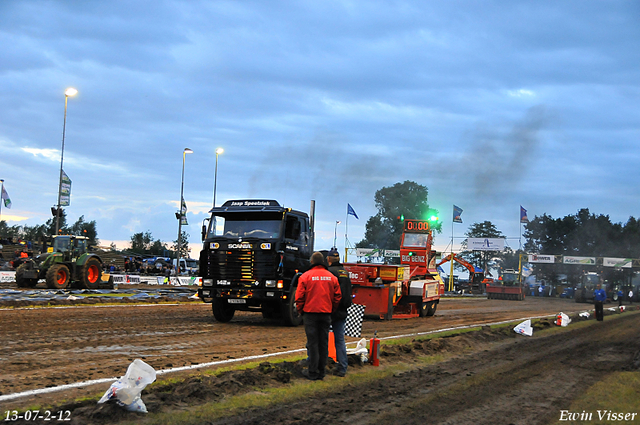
215,177
335,235
180,214
68,92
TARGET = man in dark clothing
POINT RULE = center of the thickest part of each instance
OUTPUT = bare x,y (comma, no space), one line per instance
318,295
599,297
339,316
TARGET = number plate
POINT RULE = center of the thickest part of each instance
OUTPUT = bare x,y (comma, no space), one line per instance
236,301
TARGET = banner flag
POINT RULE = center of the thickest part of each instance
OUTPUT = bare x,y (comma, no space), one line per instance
65,190
457,212
183,210
5,198
523,215
351,211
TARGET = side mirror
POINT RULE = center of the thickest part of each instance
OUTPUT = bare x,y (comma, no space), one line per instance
204,228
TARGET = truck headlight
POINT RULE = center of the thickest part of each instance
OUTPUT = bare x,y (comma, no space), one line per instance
207,282
270,283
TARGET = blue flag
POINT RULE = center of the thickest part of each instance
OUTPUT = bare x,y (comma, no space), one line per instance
523,215
457,212
351,211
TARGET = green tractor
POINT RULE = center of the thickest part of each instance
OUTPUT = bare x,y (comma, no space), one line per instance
65,264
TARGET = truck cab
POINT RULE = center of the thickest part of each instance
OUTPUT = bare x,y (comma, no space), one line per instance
253,252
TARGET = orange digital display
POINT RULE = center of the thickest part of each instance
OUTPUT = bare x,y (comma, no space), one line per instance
416,226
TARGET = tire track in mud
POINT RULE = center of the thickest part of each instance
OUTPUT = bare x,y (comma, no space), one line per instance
49,347
523,381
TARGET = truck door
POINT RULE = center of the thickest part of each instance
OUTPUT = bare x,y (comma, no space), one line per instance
297,239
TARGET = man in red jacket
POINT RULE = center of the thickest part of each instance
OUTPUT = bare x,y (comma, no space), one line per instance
317,295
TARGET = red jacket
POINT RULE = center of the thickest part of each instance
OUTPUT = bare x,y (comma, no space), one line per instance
318,291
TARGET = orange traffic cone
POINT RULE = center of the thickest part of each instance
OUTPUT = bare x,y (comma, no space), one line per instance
332,346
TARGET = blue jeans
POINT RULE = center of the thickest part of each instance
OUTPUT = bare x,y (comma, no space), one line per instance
341,347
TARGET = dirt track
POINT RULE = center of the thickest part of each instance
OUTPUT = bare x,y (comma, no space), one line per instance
53,346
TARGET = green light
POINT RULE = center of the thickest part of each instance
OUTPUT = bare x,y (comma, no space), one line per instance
433,218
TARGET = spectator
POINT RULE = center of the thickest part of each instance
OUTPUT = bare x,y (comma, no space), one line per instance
339,316
630,296
599,297
620,296
317,296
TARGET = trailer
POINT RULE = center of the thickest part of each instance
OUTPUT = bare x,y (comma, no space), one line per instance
411,289
508,287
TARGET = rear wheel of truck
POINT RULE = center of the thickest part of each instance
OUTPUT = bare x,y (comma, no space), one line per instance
431,310
58,276
91,273
222,310
22,281
290,314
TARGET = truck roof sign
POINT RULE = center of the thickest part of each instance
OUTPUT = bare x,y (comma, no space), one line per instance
251,203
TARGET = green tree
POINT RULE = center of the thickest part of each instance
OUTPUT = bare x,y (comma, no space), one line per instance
141,242
407,200
85,228
184,245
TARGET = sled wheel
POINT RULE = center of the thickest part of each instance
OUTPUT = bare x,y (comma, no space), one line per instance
432,308
423,308
222,310
58,276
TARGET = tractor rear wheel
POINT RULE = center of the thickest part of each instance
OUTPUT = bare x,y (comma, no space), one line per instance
58,276
91,273
22,281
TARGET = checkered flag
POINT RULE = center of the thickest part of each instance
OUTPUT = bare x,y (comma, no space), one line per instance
353,324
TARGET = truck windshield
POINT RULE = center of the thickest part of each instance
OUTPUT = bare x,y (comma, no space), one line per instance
590,281
228,227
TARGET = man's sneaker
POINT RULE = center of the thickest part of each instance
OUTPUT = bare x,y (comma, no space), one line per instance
339,373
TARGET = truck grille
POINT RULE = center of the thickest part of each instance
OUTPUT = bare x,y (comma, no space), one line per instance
240,265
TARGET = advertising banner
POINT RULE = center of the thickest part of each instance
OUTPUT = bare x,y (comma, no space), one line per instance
65,190
485,244
7,276
585,261
624,263
536,258
371,252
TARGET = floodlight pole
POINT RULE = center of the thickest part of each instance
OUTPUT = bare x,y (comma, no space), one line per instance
180,214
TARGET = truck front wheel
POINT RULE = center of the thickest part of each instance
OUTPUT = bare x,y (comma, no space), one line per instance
431,310
22,281
289,310
222,310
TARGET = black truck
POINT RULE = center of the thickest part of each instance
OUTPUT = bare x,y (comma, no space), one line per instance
253,253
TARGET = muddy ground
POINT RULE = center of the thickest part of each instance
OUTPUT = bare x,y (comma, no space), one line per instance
519,379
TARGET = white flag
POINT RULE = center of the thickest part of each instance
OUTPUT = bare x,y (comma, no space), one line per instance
5,198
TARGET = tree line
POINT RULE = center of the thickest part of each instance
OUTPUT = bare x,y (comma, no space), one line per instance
580,234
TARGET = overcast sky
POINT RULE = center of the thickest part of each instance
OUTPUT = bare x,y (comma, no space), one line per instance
490,104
